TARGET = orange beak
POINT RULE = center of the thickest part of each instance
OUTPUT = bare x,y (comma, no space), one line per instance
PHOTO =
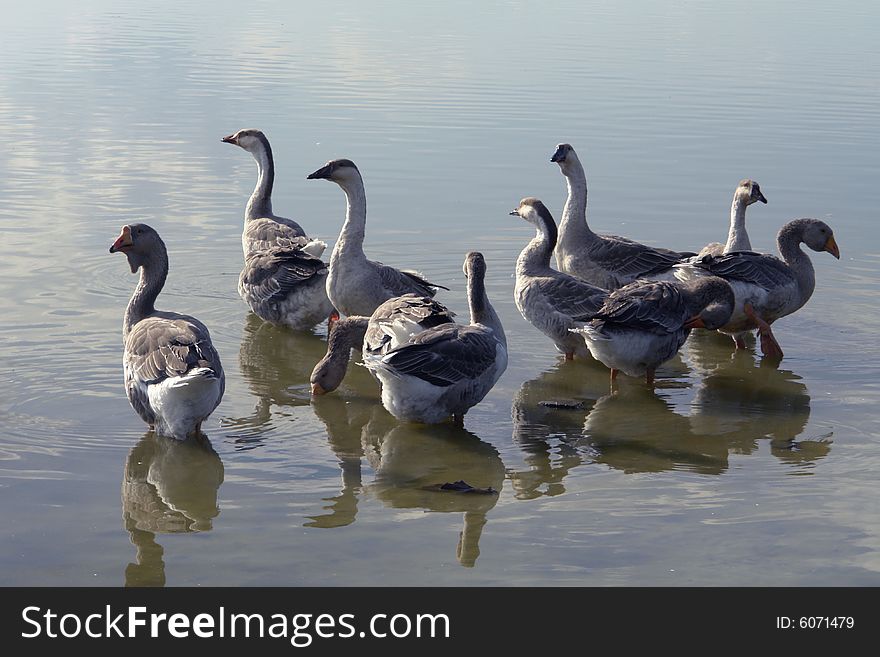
123,241
317,389
831,247
694,322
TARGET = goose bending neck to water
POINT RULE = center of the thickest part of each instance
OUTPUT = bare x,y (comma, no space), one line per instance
392,324
552,301
355,285
607,261
283,279
644,324
766,287
445,370
173,376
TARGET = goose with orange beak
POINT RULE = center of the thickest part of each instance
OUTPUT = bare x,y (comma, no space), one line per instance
767,287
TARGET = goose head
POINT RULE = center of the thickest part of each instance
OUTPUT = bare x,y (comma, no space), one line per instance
534,211
250,139
139,243
474,266
714,299
331,369
565,157
342,172
749,192
818,236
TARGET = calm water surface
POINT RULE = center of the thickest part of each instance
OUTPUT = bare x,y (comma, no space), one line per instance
730,473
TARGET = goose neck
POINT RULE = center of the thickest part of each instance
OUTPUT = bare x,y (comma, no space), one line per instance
260,203
481,309
354,228
737,237
535,257
142,303
573,227
788,241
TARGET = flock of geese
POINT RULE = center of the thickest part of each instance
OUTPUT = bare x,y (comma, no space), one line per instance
627,305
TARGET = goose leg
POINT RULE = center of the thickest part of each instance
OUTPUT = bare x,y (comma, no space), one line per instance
739,341
769,346
649,377
458,420
569,355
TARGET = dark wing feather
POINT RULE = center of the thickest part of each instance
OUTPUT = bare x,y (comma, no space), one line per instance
445,355
404,281
628,259
654,306
269,276
571,296
759,269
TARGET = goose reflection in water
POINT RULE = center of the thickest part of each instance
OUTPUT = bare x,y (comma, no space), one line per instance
169,487
343,418
275,363
736,404
436,468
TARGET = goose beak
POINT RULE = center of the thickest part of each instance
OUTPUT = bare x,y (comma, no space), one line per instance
762,198
323,173
123,241
558,156
317,389
230,139
514,213
831,247
695,322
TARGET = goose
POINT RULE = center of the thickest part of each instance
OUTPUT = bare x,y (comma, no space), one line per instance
552,301
405,315
746,193
767,287
173,376
355,285
283,279
447,369
607,261
644,324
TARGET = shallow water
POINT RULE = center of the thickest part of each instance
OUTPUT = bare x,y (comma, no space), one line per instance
730,473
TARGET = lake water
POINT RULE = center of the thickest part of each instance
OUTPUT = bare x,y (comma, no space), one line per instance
729,473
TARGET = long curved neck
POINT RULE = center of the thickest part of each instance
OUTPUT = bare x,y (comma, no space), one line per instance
788,241
737,237
481,310
351,238
141,305
260,202
573,228
535,257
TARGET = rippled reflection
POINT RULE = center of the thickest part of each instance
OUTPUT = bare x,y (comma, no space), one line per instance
412,464
275,363
168,487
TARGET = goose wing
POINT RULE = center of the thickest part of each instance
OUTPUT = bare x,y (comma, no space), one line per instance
571,296
627,259
759,269
270,275
654,306
445,355
403,281
266,233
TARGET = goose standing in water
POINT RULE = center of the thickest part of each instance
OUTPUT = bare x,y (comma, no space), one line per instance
645,323
283,279
355,285
765,286
552,301
607,261
173,376
746,193
447,369
392,324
